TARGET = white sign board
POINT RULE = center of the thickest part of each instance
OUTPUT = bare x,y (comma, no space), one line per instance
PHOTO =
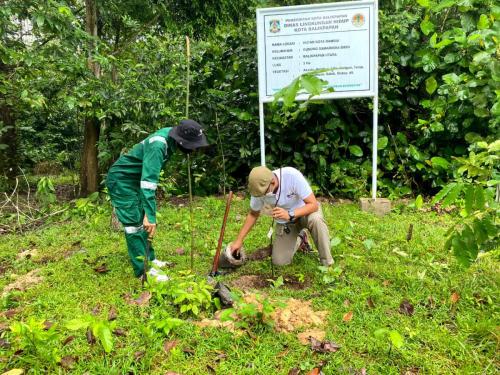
340,36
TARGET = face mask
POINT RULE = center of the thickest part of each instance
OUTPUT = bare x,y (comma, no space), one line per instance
270,198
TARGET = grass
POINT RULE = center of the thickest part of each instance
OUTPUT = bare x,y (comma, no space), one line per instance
442,336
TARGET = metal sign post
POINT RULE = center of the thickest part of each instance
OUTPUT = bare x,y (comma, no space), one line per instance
341,37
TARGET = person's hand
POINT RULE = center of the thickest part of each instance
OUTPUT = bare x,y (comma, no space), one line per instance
149,227
280,213
236,246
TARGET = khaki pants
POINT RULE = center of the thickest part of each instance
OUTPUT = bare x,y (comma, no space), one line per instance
284,243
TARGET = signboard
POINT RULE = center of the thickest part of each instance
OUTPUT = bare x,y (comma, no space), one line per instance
340,37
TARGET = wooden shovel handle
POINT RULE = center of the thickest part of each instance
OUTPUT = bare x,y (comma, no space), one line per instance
221,235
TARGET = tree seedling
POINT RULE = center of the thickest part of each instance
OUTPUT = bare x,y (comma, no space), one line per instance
38,343
393,337
98,328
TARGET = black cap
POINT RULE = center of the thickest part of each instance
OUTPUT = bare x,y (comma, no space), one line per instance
189,134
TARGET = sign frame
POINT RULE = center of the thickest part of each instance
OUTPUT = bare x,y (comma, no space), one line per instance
263,50
264,97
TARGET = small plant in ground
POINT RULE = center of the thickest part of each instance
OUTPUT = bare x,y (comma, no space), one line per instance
45,191
275,284
88,207
164,323
38,342
96,328
392,337
189,294
330,274
300,277
255,315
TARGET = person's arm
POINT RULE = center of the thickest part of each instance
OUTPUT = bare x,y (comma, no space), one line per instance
250,221
152,162
311,205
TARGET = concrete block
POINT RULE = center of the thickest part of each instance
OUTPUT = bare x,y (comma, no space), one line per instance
379,206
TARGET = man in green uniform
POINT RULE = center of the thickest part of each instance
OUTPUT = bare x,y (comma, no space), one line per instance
132,182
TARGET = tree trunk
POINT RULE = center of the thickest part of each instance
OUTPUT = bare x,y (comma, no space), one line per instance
89,175
8,134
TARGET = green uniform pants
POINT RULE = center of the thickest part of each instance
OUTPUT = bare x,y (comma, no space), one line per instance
130,212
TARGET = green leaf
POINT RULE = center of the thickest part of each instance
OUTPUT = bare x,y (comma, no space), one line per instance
335,241
419,202
415,153
77,324
469,198
288,93
436,127
443,192
396,339
312,84
369,243
40,20
438,161
195,310
483,22
432,40
453,195
431,85
426,26
103,333
460,251
451,78
444,4
381,332
495,146
479,199
424,3
356,150
382,143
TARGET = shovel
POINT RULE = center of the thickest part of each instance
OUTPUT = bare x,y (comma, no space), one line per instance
215,265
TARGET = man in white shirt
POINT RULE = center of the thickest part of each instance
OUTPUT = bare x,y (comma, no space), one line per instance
289,199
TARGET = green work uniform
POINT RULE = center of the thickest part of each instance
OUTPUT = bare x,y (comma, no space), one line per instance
132,182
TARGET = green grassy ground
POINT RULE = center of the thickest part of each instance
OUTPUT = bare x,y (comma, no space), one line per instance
443,336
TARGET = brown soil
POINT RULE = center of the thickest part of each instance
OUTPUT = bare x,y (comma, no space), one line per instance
260,254
297,314
249,282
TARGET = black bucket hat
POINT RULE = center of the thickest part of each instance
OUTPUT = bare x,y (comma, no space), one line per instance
189,134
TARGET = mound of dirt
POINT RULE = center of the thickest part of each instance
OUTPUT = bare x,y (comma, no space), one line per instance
297,314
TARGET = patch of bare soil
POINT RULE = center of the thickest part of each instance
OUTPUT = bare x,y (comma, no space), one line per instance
24,282
248,282
260,254
251,282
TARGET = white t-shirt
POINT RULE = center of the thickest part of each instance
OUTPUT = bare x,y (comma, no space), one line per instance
294,189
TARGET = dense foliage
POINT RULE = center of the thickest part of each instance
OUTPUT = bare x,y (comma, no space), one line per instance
439,82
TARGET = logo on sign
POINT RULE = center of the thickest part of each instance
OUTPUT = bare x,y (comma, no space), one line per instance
358,20
274,26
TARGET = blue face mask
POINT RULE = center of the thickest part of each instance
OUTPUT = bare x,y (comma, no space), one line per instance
270,198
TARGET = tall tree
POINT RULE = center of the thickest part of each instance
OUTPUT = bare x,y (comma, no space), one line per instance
89,181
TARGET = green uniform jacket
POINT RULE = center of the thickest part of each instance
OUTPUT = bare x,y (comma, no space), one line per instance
135,175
